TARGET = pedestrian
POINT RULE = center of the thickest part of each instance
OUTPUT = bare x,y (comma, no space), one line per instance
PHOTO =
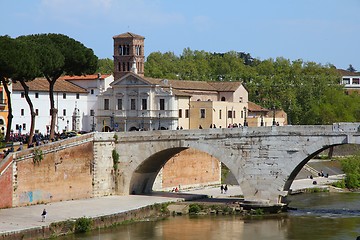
222,189
225,188
43,215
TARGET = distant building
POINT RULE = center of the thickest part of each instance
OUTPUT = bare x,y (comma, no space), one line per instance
260,116
350,81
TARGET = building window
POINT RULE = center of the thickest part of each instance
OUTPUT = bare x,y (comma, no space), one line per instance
355,81
223,99
242,114
37,112
202,113
346,80
186,113
219,114
22,94
92,91
144,104
121,48
64,112
24,126
106,104
36,95
77,96
229,114
22,112
119,104
240,99
64,95
180,113
162,104
17,127
92,112
233,114
132,104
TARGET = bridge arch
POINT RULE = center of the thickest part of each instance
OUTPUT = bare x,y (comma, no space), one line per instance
264,160
144,175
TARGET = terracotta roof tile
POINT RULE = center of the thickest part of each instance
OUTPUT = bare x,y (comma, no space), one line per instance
42,85
225,86
347,73
128,35
182,84
253,107
86,77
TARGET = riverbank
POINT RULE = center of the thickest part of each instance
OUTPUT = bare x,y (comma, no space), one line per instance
25,222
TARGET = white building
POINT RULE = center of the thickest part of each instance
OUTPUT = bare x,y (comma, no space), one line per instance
350,80
75,98
94,84
136,102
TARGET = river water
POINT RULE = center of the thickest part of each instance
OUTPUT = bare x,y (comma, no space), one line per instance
318,216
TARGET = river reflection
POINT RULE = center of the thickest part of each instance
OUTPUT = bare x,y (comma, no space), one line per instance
319,216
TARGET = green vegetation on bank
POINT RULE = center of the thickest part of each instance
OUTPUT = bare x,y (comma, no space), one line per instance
351,167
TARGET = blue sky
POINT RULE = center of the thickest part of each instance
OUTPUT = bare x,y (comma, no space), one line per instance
323,31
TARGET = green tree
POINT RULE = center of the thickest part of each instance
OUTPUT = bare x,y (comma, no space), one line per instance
25,67
60,54
307,91
105,66
7,69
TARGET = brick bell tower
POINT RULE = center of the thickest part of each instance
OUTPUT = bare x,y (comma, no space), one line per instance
128,54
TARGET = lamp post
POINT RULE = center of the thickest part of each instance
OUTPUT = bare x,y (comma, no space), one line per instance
245,123
159,121
289,113
274,121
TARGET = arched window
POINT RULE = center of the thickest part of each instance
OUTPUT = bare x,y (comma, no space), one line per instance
198,100
223,99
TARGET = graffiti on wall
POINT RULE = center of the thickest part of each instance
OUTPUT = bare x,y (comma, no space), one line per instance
35,196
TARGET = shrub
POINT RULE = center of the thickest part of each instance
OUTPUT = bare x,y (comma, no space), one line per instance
115,157
83,225
339,184
194,208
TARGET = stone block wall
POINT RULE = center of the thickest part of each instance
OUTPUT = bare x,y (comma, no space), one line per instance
61,175
190,168
6,187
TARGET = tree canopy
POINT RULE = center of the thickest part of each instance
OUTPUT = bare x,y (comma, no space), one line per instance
105,66
310,93
60,54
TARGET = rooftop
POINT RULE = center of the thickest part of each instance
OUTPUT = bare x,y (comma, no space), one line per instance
86,77
128,35
42,85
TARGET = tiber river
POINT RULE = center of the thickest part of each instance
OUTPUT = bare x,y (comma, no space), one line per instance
318,216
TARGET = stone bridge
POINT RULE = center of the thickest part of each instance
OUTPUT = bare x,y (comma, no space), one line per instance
264,160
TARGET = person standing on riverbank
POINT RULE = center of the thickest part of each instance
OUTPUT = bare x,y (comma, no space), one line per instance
43,215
